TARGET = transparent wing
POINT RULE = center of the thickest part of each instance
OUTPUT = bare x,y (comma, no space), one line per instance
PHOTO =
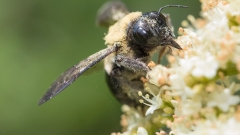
95,68
70,75
111,12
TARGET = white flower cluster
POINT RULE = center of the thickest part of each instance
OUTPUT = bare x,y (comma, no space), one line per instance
196,95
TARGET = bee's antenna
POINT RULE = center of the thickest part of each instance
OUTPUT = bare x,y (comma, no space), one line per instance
179,6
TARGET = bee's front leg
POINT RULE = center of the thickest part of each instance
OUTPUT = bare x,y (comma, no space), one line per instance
135,65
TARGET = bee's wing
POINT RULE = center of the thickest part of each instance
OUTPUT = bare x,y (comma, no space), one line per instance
70,75
96,68
111,12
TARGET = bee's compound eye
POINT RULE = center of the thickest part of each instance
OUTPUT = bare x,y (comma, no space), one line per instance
140,34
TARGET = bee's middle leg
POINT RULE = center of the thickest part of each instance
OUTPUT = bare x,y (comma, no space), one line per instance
131,64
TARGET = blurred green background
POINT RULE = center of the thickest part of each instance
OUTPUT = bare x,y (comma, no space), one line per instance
39,39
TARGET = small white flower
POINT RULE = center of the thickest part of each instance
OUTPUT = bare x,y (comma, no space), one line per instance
216,127
199,66
191,107
186,107
231,127
177,108
156,103
180,87
223,100
158,75
142,131
205,67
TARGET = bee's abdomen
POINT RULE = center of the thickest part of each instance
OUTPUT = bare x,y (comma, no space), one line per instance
124,88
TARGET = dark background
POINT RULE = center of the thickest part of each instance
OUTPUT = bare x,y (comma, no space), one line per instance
39,39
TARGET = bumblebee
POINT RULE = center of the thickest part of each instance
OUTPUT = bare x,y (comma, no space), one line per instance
131,42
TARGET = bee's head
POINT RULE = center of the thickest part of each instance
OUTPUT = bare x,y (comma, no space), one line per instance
151,30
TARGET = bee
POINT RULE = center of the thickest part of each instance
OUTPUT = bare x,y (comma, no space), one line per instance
131,40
